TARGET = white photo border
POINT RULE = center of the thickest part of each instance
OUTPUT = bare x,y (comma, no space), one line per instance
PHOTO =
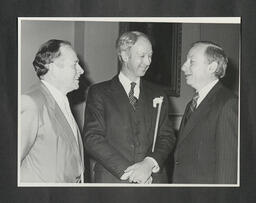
208,20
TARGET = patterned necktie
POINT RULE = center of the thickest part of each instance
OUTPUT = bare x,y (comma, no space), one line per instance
131,96
192,107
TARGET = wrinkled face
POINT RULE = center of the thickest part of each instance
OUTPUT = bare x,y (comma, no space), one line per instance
67,70
138,59
196,67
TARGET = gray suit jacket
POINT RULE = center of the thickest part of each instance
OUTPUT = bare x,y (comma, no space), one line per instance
55,156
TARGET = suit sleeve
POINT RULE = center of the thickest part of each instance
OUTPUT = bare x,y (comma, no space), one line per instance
226,144
29,124
165,141
95,139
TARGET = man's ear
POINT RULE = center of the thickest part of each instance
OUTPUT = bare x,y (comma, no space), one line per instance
212,67
52,68
49,66
124,56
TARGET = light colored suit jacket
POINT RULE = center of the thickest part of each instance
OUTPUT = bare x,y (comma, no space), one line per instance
55,156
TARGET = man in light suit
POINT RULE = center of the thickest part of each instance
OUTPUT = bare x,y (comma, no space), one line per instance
120,120
51,146
206,150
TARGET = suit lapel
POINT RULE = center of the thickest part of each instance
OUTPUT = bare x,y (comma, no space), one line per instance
57,118
120,96
146,103
122,106
199,114
81,147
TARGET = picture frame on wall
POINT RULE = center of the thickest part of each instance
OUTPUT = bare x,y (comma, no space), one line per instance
165,67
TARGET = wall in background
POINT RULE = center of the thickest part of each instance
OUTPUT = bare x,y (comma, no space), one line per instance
33,34
100,53
227,36
94,43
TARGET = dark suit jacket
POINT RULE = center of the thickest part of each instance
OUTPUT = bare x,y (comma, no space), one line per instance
206,150
110,132
55,156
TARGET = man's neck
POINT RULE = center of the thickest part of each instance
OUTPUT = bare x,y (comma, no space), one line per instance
130,76
206,83
55,85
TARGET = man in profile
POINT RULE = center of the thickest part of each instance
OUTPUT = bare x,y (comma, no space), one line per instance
206,150
51,145
120,120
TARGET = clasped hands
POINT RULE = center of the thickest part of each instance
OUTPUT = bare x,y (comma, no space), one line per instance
139,172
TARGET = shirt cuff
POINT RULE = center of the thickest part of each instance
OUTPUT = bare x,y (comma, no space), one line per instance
156,167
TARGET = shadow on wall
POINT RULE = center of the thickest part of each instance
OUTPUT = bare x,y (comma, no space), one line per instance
78,96
77,99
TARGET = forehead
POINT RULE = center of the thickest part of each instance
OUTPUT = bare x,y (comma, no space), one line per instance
197,51
67,53
142,45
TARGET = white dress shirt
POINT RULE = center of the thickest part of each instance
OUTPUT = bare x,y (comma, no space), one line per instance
205,90
63,103
126,83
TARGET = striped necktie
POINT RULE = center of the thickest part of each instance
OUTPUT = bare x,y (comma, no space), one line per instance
192,107
131,96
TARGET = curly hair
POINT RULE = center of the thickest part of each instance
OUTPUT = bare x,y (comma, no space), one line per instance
127,40
46,54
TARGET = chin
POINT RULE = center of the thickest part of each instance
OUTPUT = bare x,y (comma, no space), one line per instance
142,73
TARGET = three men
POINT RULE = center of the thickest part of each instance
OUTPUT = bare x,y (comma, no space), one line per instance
51,145
206,150
120,120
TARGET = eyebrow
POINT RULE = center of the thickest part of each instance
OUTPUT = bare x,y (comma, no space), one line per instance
145,52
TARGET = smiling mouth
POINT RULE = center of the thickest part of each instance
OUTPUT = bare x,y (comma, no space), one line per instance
144,68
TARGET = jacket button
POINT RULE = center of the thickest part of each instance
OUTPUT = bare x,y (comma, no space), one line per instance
177,162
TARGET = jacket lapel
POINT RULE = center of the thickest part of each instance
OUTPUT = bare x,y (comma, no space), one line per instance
81,147
199,114
120,96
121,101
58,120
146,102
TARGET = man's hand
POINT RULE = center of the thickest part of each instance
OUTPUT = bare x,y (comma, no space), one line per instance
139,172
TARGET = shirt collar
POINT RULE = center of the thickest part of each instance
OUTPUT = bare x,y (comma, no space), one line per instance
126,83
205,90
59,97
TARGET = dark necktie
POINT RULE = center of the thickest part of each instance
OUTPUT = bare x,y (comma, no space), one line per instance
192,107
131,96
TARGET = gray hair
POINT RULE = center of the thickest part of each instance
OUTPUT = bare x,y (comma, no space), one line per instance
215,53
127,40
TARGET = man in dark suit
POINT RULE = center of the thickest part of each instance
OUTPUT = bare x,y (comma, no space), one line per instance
120,120
206,150
51,149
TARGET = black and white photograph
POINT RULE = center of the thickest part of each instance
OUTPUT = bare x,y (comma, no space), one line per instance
128,102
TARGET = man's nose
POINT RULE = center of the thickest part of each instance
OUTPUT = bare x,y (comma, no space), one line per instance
147,60
184,66
79,69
